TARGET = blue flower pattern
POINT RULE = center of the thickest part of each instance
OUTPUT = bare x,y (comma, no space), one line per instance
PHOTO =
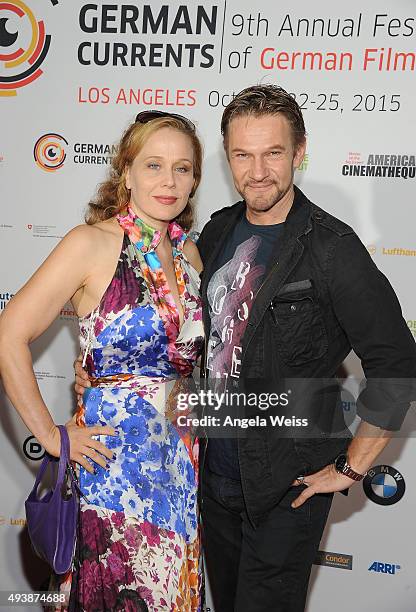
134,364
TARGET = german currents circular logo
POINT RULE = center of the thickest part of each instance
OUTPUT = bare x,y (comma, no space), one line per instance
49,151
384,485
24,46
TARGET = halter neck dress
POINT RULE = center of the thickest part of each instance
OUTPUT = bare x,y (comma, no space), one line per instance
139,545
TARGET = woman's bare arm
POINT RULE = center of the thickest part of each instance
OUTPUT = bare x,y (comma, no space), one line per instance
26,317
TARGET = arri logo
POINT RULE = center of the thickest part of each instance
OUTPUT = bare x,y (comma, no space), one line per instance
49,152
383,568
24,46
384,485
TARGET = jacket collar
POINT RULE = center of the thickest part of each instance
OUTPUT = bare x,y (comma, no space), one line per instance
298,223
298,220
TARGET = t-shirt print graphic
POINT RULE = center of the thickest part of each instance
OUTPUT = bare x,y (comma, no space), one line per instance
230,293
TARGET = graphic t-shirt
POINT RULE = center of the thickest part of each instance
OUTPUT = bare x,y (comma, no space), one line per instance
239,272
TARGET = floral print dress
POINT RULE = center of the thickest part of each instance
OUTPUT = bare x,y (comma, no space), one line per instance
138,546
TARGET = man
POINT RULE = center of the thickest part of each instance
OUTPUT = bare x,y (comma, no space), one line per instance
288,290
312,293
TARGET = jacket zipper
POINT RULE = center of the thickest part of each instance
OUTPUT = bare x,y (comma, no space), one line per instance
255,297
201,467
252,521
266,279
274,316
270,305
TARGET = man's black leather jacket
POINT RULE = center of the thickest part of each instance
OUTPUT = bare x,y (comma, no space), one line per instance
321,297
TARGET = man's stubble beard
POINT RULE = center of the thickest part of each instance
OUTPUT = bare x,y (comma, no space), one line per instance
262,203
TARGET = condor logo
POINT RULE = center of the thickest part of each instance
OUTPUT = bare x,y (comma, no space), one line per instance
383,568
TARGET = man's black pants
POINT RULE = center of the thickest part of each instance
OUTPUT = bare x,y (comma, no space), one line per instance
264,569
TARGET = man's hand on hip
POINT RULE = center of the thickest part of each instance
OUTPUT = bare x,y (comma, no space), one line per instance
82,381
327,480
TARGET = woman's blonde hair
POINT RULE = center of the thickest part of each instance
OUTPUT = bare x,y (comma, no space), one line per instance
113,196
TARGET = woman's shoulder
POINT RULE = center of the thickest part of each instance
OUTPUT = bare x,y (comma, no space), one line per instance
192,254
87,236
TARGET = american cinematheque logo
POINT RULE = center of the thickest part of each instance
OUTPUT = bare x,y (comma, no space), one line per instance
24,46
380,165
49,152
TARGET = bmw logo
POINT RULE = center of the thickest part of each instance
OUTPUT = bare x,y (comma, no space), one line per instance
384,485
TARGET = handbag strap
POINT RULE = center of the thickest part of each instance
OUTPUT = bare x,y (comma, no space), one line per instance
63,460
46,461
64,456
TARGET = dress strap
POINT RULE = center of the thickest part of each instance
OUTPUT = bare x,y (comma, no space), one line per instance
91,323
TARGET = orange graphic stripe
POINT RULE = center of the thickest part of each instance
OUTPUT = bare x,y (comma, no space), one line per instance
11,7
6,6
22,83
35,36
57,145
39,46
12,56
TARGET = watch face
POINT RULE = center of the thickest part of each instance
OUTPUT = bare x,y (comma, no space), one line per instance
340,462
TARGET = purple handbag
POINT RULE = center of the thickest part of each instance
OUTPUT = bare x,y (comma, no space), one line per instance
52,520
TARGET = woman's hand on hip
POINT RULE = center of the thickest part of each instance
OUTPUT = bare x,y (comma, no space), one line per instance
83,448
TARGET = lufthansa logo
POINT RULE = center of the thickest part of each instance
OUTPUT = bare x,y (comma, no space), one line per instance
24,46
49,152
32,449
384,485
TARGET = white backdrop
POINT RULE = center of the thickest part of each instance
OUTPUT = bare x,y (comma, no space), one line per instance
72,77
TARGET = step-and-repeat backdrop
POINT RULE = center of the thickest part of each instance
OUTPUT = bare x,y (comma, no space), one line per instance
73,74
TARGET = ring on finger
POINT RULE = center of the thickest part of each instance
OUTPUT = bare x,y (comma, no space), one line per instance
301,480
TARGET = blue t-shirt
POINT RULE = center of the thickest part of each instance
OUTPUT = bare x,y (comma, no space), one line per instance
238,274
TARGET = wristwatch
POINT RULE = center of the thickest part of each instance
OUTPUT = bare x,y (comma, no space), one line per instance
343,467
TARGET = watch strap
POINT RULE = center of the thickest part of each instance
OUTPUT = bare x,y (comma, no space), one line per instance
348,471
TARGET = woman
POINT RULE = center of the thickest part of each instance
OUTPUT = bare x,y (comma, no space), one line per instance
132,277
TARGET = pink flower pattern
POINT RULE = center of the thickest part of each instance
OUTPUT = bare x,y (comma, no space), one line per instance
138,548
